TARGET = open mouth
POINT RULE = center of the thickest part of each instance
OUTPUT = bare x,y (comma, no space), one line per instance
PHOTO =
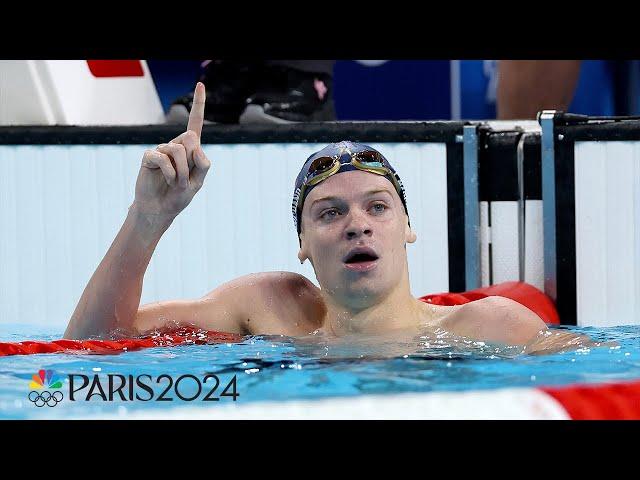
361,259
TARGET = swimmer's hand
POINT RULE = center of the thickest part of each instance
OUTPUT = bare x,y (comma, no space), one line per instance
173,172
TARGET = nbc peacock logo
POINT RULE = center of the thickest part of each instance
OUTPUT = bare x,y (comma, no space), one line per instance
39,385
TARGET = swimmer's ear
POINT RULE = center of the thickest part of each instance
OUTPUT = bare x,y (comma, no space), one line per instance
409,234
302,253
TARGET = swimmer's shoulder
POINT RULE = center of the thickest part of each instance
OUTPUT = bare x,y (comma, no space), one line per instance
280,302
276,303
493,319
436,315
284,283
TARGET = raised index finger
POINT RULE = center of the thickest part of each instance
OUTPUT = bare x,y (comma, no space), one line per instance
196,116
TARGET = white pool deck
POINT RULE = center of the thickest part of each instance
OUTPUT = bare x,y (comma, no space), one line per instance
507,404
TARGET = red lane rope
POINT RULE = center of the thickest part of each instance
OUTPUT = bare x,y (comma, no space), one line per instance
618,401
180,336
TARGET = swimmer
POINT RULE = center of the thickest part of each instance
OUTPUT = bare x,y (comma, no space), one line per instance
353,226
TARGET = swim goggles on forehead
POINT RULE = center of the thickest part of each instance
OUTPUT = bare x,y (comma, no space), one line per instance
323,167
368,160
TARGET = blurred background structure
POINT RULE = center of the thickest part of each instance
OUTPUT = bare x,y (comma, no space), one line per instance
130,92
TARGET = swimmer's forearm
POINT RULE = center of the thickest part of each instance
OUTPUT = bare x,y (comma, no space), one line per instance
112,297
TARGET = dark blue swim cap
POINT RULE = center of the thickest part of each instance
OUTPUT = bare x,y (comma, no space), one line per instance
345,151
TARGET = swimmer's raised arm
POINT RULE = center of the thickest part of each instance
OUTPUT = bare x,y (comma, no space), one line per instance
168,179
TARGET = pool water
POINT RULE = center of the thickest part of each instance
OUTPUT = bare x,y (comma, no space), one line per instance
278,368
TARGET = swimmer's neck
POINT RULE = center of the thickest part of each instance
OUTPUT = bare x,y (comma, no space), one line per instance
398,310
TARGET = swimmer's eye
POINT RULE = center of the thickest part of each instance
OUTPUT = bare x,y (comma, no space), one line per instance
329,214
378,208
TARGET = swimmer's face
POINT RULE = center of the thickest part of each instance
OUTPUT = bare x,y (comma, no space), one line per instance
352,210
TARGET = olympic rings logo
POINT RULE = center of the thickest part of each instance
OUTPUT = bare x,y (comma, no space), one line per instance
40,399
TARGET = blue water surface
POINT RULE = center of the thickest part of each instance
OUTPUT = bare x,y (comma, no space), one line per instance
278,368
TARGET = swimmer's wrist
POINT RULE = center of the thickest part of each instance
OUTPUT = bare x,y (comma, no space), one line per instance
150,220
151,211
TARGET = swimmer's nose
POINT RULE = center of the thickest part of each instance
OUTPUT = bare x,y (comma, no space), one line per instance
358,226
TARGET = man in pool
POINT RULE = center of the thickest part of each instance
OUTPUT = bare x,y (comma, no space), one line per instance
353,226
